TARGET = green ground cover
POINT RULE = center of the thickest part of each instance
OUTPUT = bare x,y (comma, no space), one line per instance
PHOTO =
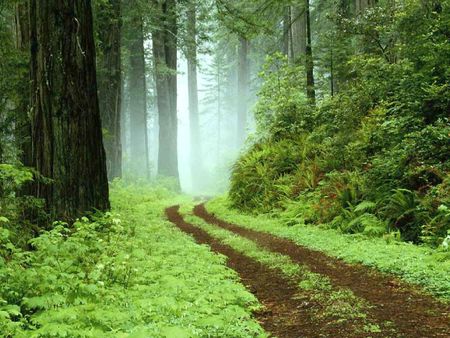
337,304
421,265
128,273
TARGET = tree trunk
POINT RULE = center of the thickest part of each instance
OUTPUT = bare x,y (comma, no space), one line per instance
309,62
299,37
243,89
138,102
23,121
195,158
362,5
286,30
110,83
66,126
165,54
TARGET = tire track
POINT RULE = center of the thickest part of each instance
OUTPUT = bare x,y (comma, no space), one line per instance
414,314
283,314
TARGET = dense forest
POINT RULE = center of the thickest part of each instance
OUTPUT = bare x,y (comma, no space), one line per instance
224,168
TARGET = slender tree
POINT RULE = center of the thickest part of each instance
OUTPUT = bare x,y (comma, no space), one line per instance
243,89
137,106
165,58
286,30
195,158
66,127
110,82
309,61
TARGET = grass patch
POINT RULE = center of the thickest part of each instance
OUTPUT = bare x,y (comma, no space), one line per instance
129,273
336,304
418,265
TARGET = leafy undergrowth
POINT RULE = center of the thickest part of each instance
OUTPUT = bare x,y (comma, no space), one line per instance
418,265
336,305
129,273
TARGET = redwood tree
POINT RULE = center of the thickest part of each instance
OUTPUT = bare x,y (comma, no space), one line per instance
165,56
195,145
110,82
66,127
137,105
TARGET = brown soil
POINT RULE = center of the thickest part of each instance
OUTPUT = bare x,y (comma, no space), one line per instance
413,313
284,314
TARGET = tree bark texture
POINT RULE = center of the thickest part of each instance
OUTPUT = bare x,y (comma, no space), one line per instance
66,126
23,120
165,56
110,83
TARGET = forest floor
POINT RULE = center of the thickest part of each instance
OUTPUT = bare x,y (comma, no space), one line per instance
307,293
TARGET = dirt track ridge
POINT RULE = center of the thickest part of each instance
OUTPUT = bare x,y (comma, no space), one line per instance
284,315
413,313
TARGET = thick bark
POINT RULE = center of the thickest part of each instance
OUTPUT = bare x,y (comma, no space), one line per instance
138,102
243,89
110,83
309,62
165,54
195,158
66,126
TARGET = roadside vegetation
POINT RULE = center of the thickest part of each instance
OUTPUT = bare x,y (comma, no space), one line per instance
420,265
333,305
126,273
372,158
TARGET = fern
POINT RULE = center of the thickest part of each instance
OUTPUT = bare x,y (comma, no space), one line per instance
365,206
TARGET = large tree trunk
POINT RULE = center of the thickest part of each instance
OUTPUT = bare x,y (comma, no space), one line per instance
110,83
66,127
243,89
138,102
195,158
165,54
309,62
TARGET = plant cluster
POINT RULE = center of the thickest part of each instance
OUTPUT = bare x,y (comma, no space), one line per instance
420,265
373,157
127,273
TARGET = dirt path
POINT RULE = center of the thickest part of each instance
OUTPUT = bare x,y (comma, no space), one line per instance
284,315
414,314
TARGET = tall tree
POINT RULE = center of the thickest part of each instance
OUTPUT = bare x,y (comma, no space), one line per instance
298,28
110,82
137,89
22,119
195,158
165,56
66,126
243,89
286,30
309,61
